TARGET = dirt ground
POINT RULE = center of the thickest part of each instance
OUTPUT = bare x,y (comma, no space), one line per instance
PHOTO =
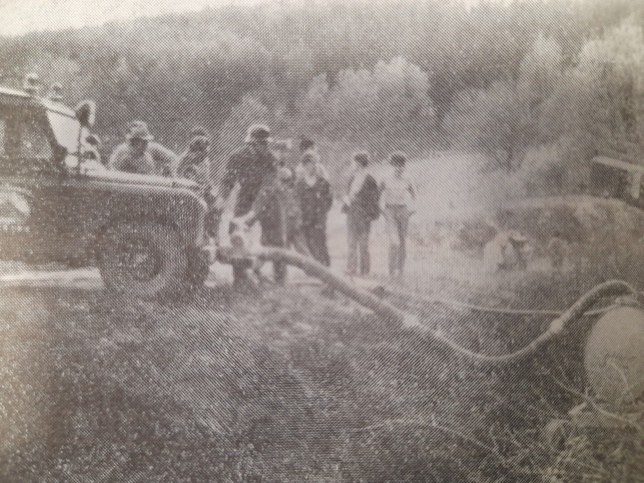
281,386
286,385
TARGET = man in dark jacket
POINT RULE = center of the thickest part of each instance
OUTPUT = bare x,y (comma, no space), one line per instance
362,207
314,193
251,166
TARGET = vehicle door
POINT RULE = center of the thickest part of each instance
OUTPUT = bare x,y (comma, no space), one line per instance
30,181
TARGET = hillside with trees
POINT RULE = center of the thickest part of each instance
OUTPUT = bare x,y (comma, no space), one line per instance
509,80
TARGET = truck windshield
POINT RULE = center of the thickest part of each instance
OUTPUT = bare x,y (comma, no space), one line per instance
66,129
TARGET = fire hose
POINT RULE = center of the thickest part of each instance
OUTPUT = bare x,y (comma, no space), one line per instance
390,312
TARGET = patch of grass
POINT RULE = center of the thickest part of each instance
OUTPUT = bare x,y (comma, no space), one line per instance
284,387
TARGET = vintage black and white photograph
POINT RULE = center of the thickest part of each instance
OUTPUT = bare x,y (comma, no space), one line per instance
322,241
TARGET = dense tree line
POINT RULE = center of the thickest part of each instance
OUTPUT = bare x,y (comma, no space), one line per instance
502,79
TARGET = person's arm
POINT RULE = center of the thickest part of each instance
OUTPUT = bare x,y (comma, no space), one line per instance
261,204
382,202
323,172
412,192
116,158
182,165
229,179
255,211
327,196
248,219
164,158
355,186
299,191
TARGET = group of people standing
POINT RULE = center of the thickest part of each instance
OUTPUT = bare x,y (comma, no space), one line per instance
394,196
290,204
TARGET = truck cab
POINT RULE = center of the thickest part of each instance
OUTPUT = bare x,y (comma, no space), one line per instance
144,233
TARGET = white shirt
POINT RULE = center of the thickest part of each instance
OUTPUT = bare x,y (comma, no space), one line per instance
399,191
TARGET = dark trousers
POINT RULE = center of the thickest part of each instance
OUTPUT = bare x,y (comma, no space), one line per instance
358,228
240,272
315,236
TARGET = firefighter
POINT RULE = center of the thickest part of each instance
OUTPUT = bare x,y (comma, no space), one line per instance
250,166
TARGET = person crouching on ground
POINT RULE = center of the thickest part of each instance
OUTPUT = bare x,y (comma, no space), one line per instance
361,207
397,203
314,193
278,211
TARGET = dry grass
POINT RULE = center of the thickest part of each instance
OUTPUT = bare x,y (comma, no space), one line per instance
290,386
286,387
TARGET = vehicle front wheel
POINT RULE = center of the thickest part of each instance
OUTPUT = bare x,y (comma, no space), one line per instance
145,260
198,269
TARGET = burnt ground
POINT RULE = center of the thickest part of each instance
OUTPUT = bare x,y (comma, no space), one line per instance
280,386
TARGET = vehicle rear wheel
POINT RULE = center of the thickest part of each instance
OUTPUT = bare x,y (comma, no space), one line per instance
144,260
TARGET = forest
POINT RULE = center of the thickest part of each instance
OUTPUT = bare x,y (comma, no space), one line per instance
536,87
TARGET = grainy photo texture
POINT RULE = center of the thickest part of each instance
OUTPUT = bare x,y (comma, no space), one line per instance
325,241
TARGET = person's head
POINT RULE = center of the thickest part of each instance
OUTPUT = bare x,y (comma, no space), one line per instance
306,144
198,131
310,160
284,175
199,144
139,137
259,135
398,161
361,159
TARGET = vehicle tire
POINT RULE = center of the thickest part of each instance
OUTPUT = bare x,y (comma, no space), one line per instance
198,270
144,260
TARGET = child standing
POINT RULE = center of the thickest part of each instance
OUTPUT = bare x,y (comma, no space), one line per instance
308,146
314,193
397,202
278,211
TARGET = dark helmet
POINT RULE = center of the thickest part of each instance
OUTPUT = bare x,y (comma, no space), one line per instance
306,144
398,158
362,158
258,132
199,143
